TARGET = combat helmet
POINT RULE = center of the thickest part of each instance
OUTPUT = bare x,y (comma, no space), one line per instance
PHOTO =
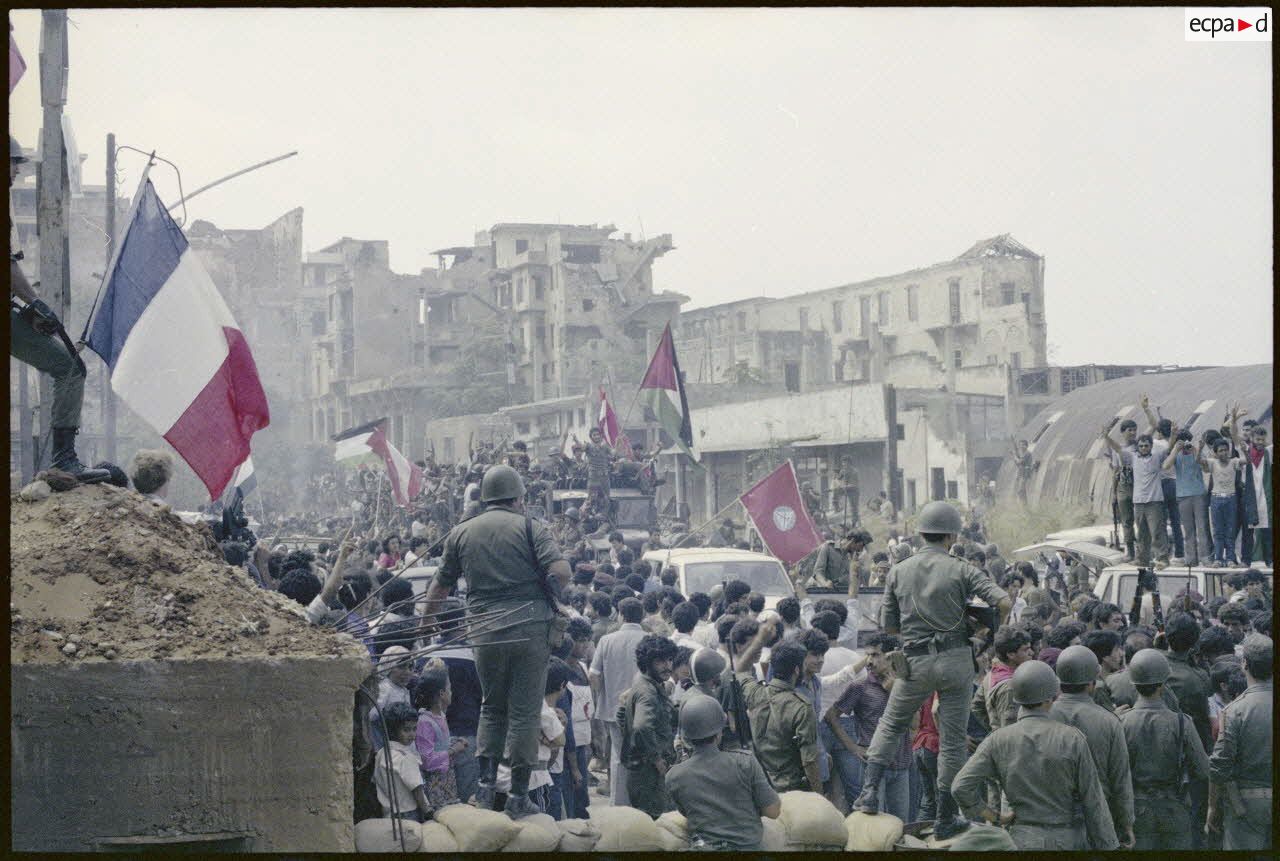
939,518
705,665
15,150
1077,665
701,717
501,482
1033,683
1149,667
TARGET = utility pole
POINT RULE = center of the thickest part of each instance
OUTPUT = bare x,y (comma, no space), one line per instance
51,208
108,396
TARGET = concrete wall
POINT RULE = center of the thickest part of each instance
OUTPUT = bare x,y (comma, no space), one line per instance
184,747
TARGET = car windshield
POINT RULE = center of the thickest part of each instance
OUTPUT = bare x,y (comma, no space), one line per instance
631,513
765,576
1170,585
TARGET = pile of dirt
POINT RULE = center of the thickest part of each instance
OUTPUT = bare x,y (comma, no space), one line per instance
103,573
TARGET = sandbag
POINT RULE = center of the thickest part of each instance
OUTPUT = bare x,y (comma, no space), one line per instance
477,830
867,833
577,835
625,829
538,833
374,835
437,838
774,838
983,838
812,820
673,821
670,842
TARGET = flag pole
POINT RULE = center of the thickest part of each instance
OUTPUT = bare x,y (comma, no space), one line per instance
713,519
115,256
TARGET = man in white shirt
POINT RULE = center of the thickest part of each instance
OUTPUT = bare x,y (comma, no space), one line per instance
1148,496
613,668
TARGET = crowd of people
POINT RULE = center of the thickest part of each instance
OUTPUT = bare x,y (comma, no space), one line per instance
1066,720
1190,501
796,695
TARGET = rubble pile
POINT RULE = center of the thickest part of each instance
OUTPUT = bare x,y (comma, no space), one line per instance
102,573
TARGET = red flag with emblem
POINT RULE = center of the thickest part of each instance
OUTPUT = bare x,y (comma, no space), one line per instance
777,511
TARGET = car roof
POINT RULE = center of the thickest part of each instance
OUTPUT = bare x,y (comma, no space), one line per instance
1129,568
709,554
1093,552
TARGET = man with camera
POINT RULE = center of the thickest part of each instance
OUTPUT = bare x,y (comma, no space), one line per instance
38,339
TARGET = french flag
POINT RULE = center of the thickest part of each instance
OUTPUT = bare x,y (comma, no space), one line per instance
175,353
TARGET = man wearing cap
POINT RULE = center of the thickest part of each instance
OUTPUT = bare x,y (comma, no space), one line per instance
509,561
924,602
1240,767
722,794
1045,769
32,327
1163,744
1077,670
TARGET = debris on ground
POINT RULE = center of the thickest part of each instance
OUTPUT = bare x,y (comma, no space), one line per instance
102,573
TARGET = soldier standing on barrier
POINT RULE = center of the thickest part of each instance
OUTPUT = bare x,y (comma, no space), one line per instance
1045,769
507,560
1240,767
1077,669
32,327
1163,745
924,602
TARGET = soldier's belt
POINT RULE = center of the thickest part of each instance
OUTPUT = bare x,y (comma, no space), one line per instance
1256,792
935,644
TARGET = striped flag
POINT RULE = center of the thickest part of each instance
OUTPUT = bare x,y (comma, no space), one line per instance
607,421
175,353
352,445
370,441
663,391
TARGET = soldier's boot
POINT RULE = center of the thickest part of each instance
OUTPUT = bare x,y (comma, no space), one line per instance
949,822
868,801
486,789
64,457
518,803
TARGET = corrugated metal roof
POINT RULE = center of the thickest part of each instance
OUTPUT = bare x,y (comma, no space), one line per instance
1064,436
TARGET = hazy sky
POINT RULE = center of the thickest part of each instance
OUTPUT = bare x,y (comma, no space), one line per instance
784,150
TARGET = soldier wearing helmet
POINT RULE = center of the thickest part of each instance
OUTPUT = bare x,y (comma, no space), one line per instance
32,327
721,793
1045,769
1163,746
1077,670
508,560
924,602
1240,767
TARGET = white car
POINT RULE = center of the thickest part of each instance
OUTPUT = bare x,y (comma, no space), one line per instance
700,569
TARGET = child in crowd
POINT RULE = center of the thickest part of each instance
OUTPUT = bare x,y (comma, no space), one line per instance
401,790
432,696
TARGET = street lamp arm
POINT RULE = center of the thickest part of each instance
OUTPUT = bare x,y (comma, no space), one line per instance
238,173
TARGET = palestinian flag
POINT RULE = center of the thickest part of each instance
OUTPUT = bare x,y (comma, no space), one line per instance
663,392
352,446
371,441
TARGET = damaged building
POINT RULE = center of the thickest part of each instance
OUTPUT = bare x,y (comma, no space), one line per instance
528,314
953,324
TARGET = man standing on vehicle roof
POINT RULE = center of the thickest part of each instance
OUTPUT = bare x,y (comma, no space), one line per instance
924,601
